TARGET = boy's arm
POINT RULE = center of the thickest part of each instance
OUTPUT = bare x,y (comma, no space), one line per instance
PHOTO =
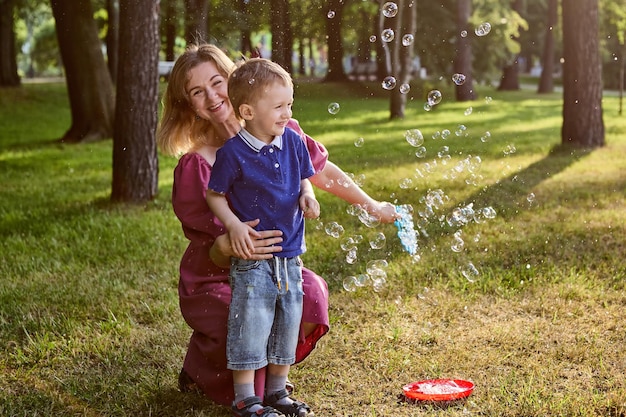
308,203
239,232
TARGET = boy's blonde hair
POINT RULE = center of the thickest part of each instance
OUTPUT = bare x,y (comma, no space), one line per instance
252,78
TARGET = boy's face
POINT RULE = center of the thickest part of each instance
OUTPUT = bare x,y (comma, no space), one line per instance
268,116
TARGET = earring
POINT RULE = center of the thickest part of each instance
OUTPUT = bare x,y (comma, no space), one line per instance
197,117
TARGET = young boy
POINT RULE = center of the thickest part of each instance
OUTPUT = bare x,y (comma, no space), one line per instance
264,172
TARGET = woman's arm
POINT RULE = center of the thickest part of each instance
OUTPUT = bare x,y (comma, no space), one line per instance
335,181
329,177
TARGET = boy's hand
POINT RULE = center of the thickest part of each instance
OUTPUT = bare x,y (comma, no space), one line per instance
241,242
309,206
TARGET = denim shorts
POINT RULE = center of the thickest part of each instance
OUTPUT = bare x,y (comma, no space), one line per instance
265,312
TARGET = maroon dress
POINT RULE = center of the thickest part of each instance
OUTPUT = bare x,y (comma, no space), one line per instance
204,291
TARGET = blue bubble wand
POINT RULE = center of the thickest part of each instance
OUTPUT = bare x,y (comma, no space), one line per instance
406,229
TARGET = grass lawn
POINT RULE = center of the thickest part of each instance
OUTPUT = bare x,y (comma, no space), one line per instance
524,296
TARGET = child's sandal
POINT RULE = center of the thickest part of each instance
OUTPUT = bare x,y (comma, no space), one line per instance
295,409
242,409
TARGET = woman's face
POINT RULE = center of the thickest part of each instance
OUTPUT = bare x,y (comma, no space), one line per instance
207,90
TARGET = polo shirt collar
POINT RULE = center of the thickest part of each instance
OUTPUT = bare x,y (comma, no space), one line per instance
255,144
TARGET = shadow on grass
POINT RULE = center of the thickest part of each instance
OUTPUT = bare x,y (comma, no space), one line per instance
507,192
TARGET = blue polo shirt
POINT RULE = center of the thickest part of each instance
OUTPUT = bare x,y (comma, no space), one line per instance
263,181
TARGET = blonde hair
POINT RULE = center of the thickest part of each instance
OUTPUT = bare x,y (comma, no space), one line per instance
179,129
252,78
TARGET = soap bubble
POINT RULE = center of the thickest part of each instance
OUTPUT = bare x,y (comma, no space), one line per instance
390,9
406,183
414,137
358,142
420,152
378,241
389,83
488,99
509,149
373,38
331,14
464,34
405,88
375,265
333,108
457,242
485,137
334,229
350,283
387,35
469,271
362,280
407,39
483,29
434,97
351,256
468,111
348,244
458,79
460,130
489,212
427,106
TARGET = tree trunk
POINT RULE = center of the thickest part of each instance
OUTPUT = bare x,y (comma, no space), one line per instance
196,21
463,60
546,82
169,28
383,54
301,56
8,56
335,73
510,72
282,38
583,124
402,56
135,162
246,37
89,85
113,37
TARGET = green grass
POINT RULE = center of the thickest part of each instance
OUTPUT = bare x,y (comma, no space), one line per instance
89,318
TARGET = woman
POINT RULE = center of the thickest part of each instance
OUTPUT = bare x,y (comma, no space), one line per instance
197,120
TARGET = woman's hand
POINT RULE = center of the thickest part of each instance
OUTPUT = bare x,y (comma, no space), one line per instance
264,246
384,211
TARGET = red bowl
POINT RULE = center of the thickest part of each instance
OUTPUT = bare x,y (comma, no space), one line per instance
438,389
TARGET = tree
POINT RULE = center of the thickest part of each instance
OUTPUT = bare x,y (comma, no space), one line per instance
510,72
113,37
8,56
246,35
546,82
282,36
615,21
334,14
196,20
89,84
169,21
464,90
135,162
402,55
582,75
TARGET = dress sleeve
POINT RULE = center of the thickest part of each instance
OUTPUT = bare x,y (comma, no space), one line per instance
191,178
317,151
